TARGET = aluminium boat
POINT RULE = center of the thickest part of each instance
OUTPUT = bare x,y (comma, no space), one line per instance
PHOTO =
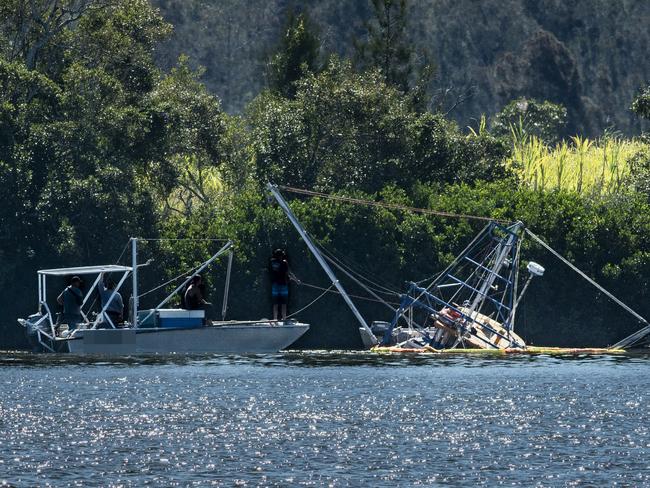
158,330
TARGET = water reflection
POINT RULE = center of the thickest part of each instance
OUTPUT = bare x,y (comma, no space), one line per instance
324,418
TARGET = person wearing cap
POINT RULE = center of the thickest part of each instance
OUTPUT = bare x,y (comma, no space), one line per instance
115,307
72,298
279,271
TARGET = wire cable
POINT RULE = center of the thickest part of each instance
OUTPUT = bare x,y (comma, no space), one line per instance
630,340
310,303
391,206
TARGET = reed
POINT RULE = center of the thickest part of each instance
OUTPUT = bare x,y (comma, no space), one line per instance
582,165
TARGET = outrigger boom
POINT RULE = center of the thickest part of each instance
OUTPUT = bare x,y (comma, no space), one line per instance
319,257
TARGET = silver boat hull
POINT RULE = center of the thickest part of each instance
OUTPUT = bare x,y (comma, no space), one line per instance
252,338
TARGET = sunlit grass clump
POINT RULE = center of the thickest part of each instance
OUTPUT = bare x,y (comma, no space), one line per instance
600,166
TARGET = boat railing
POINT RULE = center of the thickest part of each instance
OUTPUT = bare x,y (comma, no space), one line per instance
410,302
103,315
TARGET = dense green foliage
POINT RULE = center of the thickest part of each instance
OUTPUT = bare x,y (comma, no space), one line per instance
641,104
349,130
97,143
545,120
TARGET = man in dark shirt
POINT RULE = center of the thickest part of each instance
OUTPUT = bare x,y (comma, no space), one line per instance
194,298
72,298
279,271
194,295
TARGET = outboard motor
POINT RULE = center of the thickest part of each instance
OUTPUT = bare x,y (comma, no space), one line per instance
32,326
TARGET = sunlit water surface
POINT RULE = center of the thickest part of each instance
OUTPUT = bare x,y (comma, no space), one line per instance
316,418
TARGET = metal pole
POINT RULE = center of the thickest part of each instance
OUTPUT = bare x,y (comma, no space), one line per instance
110,298
494,272
207,263
351,276
134,274
90,291
40,291
517,300
224,307
284,206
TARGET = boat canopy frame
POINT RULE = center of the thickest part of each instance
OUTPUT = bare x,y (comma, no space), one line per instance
102,316
44,308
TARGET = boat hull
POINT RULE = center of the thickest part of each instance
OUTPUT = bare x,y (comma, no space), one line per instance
233,339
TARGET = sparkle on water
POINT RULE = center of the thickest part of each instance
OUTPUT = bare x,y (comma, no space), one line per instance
317,418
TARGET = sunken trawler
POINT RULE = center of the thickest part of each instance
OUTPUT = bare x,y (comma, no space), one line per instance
470,306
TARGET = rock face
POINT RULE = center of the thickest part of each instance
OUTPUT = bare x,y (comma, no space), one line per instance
589,55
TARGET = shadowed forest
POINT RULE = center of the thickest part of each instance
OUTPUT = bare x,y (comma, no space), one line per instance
165,120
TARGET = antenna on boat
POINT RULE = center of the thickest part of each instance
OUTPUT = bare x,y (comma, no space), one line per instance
365,330
534,269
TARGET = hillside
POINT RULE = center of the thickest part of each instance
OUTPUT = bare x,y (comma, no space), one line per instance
588,54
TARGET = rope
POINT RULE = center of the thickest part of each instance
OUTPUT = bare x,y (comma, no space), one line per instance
308,285
185,273
330,256
123,251
310,303
627,341
392,206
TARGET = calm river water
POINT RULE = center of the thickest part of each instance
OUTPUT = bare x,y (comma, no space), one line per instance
315,418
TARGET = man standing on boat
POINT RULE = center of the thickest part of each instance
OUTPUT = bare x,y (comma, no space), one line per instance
115,308
72,298
279,270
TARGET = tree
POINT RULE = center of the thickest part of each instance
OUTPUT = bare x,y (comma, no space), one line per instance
389,49
298,53
641,104
353,130
93,137
29,27
544,120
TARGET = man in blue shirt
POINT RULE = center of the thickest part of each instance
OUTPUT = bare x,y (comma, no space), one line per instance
115,307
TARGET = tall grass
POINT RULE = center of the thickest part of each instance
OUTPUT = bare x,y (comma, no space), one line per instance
583,165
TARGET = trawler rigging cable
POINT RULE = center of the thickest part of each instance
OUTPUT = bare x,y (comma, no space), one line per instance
310,303
341,264
359,297
628,341
391,206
